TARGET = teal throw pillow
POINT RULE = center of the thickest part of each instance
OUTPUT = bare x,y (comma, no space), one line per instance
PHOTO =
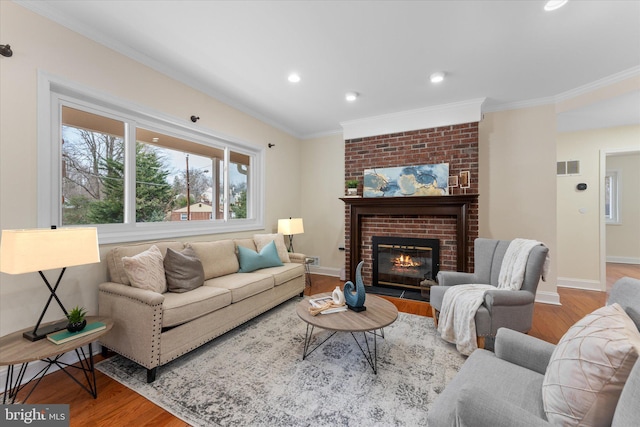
251,260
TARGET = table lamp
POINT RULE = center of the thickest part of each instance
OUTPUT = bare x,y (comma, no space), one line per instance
289,227
26,251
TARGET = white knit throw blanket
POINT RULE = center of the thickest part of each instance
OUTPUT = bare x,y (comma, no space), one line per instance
457,323
515,262
460,303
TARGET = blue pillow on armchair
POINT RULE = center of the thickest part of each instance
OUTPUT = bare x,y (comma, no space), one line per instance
251,260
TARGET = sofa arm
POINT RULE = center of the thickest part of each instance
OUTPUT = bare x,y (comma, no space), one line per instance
523,350
477,408
137,322
451,278
297,257
142,295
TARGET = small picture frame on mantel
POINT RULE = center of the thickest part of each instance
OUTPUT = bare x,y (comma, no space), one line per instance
453,181
465,179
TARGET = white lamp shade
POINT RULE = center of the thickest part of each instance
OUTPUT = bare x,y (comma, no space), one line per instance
25,251
290,226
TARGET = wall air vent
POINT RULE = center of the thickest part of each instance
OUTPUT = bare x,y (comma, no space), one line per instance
568,167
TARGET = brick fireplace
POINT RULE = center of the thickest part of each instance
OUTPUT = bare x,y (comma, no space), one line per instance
433,217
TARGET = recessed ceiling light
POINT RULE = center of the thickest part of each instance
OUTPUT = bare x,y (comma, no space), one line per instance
294,78
554,4
351,96
436,77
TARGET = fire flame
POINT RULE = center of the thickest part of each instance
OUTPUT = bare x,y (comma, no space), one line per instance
405,261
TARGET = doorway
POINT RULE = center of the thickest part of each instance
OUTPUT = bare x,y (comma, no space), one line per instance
619,214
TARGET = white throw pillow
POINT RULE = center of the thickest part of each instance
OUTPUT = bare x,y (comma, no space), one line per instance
589,368
262,240
146,270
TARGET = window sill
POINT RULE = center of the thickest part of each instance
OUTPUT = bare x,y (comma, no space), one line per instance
110,234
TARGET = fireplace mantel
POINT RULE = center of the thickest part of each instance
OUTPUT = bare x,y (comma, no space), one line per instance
454,205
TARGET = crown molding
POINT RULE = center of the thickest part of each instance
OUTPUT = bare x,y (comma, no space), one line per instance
518,105
590,87
388,123
41,8
423,118
564,96
321,134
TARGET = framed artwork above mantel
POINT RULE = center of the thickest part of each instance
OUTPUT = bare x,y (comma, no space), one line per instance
407,181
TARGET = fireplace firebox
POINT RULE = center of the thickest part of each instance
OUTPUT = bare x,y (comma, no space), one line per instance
405,264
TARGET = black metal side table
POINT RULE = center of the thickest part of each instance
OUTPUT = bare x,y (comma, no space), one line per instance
16,350
307,276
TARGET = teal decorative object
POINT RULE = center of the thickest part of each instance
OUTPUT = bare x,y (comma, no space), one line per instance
355,301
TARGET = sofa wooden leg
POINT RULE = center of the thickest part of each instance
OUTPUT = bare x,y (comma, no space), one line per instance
151,375
481,342
435,313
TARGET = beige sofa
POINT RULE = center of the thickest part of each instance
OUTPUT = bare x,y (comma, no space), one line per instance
153,328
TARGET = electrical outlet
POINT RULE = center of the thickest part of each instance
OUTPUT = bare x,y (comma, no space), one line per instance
316,260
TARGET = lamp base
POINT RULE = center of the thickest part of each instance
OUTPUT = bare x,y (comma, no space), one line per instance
42,332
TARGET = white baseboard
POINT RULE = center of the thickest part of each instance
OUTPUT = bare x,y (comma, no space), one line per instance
587,285
548,297
34,367
325,271
623,260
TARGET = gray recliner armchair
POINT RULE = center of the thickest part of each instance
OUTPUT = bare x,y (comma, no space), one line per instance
505,389
501,308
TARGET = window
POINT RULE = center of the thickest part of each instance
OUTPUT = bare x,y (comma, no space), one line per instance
137,175
611,197
92,177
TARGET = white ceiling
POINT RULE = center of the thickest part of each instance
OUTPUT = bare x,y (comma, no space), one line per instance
511,52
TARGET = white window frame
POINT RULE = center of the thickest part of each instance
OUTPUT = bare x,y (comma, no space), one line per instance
52,90
614,204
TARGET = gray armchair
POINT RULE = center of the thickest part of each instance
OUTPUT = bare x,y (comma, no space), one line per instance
501,308
505,388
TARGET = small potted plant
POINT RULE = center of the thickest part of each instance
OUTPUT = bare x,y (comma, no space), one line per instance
76,320
352,187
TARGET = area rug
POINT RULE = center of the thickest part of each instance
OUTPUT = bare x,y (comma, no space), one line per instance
255,376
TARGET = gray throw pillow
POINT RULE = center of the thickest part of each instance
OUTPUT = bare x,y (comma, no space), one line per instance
184,270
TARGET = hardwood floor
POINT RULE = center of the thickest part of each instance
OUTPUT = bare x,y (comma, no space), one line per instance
117,405
616,271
